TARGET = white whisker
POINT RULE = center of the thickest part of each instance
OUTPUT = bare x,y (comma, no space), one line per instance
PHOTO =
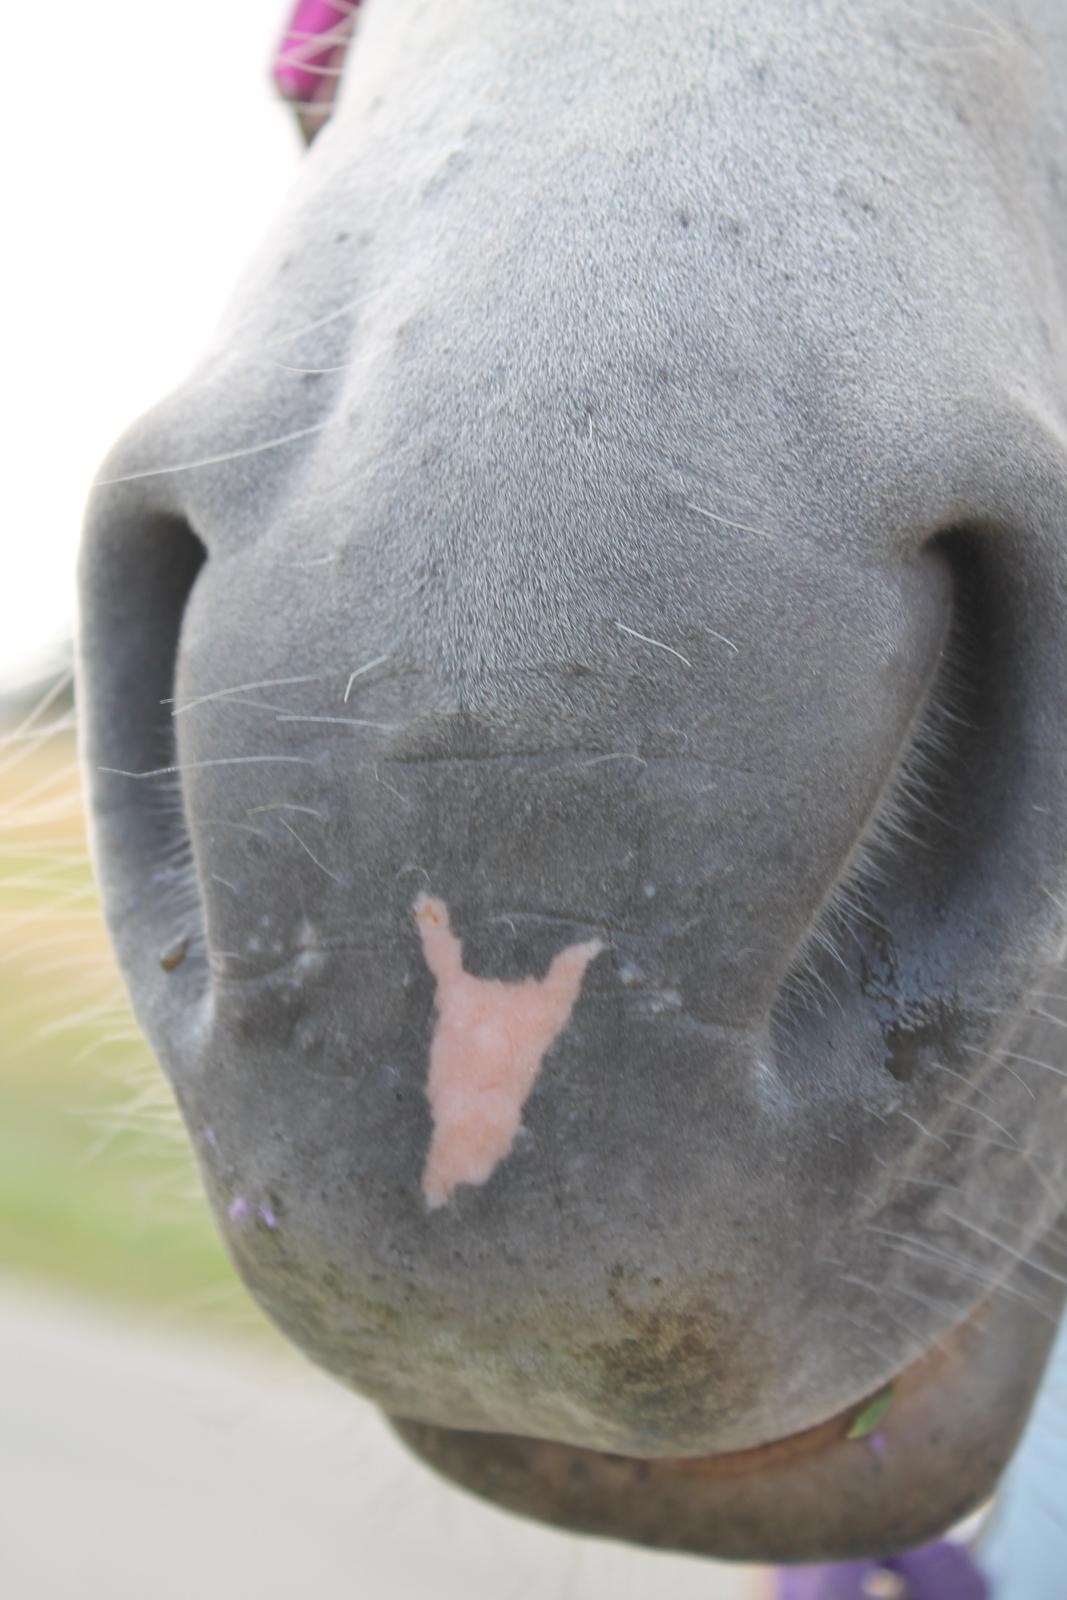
239,454
367,667
1019,1255
211,761
727,522
308,850
658,643
241,688
344,722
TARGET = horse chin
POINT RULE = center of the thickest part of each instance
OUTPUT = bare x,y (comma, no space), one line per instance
846,1488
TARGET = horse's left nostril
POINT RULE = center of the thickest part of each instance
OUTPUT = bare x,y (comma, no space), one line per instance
137,572
932,814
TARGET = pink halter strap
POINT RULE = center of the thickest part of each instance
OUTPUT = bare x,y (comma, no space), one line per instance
309,59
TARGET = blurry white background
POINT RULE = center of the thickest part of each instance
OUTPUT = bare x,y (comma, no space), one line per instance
145,154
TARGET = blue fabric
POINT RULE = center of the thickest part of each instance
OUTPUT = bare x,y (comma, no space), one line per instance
1024,1551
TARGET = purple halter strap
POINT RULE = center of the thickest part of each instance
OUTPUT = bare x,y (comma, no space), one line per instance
310,56
939,1571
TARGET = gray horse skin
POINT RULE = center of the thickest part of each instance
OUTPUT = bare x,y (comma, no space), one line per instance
575,716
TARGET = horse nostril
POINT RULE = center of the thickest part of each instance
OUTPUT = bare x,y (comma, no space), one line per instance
137,572
920,934
929,814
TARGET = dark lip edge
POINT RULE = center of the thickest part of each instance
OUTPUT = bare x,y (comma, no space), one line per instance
916,1373
812,1496
783,1450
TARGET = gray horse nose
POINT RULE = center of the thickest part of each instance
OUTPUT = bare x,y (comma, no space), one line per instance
738,829
734,839
573,702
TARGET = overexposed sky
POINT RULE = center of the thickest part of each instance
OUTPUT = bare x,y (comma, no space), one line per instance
145,156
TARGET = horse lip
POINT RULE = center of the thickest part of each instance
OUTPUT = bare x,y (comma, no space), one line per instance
951,1427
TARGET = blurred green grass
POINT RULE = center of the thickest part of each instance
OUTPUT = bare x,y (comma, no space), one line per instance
98,1187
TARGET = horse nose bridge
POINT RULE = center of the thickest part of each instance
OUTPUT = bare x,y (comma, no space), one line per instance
688,799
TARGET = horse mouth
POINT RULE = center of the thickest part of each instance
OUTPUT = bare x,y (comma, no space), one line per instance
857,1484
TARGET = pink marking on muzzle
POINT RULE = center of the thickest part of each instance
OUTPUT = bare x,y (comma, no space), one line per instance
311,52
488,1045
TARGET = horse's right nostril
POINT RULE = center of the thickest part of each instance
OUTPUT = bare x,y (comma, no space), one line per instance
137,572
